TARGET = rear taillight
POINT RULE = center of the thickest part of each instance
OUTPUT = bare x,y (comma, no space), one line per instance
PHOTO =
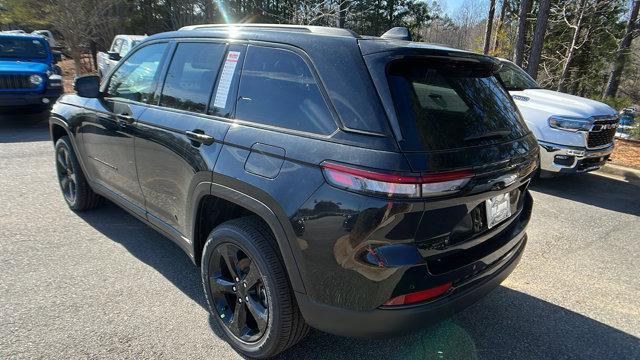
419,296
392,185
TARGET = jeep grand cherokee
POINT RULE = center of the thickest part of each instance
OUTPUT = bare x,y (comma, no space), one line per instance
359,185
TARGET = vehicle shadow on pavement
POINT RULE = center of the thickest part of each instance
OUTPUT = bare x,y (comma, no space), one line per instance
148,246
592,189
507,324
24,127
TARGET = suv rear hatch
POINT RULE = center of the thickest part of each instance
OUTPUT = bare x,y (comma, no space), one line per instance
450,114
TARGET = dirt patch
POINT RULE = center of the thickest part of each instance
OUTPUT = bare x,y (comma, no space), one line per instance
626,153
69,71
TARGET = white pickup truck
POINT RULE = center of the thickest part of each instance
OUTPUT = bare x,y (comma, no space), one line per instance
575,134
120,47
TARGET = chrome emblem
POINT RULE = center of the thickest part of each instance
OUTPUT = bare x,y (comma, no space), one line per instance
599,127
503,181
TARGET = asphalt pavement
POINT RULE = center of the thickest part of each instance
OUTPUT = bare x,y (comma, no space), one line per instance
103,285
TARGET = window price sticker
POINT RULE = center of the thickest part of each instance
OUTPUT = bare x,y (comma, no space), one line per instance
225,79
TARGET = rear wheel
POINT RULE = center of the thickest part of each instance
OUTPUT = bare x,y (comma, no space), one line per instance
75,188
248,290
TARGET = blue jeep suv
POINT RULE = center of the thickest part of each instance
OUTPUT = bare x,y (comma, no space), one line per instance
29,79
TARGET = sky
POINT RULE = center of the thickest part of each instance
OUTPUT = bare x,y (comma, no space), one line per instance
451,6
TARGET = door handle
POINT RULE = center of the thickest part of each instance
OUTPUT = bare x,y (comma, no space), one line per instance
125,119
200,137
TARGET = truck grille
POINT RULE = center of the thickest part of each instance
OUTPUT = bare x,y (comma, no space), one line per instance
14,82
602,132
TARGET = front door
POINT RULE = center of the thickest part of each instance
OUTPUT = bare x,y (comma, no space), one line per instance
108,133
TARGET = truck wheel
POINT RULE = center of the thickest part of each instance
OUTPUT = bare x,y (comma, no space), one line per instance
248,290
75,188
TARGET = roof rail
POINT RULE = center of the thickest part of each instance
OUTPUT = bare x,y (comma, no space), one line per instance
320,30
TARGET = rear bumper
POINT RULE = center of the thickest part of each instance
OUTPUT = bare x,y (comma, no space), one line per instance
386,321
13,101
556,158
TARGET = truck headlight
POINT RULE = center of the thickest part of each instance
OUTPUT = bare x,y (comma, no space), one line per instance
35,80
570,123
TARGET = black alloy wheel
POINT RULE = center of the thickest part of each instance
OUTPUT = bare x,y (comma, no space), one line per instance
248,291
238,292
66,174
75,189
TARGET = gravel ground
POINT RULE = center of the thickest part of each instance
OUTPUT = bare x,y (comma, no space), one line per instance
103,285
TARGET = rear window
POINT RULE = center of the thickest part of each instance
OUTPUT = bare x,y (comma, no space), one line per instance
444,105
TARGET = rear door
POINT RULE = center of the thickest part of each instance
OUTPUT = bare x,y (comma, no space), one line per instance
282,121
177,143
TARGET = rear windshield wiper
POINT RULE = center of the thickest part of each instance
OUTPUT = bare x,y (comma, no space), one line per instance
488,135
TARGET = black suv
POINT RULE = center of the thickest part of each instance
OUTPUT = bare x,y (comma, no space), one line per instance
358,185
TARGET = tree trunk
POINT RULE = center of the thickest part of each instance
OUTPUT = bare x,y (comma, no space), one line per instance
209,12
623,51
503,12
562,84
487,33
538,38
342,13
77,60
525,8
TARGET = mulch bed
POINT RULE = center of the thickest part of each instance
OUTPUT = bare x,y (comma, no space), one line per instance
626,153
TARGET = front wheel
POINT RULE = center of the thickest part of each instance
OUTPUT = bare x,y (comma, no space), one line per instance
248,290
75,188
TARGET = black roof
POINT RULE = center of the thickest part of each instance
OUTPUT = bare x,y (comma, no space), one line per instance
298,35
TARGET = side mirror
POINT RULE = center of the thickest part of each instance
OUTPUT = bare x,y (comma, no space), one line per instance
57,56
87,86
113,56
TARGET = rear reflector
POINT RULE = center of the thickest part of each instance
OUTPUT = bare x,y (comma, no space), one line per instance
419,295
389,185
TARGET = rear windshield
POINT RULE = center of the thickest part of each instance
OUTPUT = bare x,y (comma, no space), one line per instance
444,104
22,48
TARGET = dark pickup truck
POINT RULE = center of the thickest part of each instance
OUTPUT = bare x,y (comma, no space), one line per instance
29,79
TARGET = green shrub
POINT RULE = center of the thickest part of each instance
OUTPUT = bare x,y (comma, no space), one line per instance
618,102
634,133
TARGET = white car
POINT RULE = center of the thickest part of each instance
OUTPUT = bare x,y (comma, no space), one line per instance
120,47
575,134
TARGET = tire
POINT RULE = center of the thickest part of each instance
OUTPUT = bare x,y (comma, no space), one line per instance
285,325
73,184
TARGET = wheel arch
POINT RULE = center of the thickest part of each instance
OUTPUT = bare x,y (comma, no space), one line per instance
207,191
58,128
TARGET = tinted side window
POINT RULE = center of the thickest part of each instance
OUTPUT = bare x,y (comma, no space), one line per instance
137,77
191,75
224,97
277,88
